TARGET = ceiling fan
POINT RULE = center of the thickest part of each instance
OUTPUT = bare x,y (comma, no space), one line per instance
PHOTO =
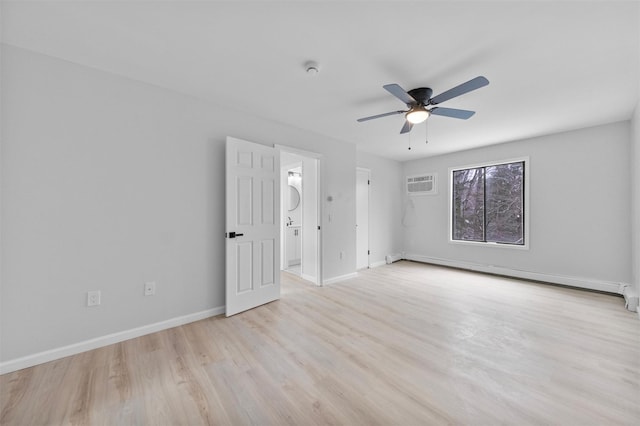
418,100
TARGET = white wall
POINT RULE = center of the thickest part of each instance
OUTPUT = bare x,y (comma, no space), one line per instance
579,209
635,197
385,206
108,183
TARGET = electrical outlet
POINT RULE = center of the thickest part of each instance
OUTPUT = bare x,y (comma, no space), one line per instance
150,288
93,298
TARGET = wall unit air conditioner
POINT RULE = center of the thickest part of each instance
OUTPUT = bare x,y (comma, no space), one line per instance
424,184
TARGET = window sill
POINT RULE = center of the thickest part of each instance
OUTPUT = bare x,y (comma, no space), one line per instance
483,244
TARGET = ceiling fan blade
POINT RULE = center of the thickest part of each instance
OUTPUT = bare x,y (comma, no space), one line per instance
400,93
467,87
452,112
360,120
407,127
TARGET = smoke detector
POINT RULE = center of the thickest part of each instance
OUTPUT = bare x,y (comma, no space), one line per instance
312,67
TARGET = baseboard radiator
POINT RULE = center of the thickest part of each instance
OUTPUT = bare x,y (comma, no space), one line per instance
390,258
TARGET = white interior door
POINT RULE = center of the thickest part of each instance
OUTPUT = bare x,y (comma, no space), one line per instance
362,218
252,225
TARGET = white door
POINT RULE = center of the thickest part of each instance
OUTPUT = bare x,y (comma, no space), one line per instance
362,218
252,225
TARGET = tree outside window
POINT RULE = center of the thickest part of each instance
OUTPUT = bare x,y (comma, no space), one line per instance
488,204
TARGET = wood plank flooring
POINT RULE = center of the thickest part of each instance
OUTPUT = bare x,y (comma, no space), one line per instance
402,344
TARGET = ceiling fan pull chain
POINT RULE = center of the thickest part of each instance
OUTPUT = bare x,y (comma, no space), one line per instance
426,128
409,141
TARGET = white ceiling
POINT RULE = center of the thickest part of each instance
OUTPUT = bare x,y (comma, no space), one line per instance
553,65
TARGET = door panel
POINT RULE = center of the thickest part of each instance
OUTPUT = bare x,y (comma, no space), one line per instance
252,231
244,282
267,256
245,198
268,206
362,218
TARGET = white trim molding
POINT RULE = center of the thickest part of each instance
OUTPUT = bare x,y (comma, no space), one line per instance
310,278
579,282
630,298
109,339
340,278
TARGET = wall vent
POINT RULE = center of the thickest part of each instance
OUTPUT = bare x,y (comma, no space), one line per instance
424,184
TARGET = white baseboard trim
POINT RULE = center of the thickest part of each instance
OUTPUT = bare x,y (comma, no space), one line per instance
376,264
311,278
579,282
630,298
339,278
109,339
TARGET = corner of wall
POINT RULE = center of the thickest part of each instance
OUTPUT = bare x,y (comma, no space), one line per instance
635,203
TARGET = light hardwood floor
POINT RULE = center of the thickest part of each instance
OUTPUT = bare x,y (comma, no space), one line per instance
403,344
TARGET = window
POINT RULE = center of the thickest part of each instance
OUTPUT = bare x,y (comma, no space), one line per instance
488,203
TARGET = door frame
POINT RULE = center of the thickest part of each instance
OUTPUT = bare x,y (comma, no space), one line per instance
368,172
319,190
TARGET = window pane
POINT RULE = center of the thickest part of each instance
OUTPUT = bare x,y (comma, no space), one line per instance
505,203
468,204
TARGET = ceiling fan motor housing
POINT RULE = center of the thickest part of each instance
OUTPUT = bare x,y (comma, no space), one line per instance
421,94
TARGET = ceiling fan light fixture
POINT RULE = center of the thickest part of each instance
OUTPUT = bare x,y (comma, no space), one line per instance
417,114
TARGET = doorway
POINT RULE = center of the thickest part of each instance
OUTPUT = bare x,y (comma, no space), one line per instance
300,207
292,208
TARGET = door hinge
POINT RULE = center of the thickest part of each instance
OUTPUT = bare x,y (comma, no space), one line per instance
318,227
368,251
368,182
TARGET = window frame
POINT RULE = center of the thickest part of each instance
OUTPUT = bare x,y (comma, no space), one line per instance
527,215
